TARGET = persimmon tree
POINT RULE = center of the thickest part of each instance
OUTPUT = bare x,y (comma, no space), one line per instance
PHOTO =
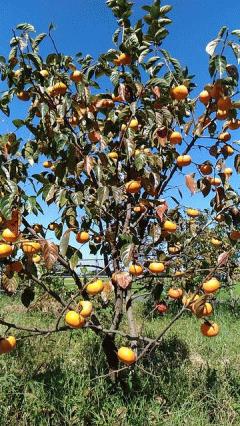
120,166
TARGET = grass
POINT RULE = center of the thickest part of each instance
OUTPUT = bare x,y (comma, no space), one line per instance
191,380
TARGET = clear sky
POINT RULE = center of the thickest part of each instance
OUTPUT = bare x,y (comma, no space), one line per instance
87,26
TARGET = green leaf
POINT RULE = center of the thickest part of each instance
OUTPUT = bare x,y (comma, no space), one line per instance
222,31
211,46
74,259
220,62
25,27
38,40
236,33
18,123
6,206
13,53
236,50
158,82
118,194
165,9
212,66
36,60
77,197
129,148
102,195
140,161
132,42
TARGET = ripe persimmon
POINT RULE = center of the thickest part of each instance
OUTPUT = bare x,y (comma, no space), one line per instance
76,76
95,287
113,155
23,95
216,90
228,172
59,89
44,73
82,237
10,235
31,247
5,250
192,212
169,226
216,242
156,267
7,344
224,136
221,114
161,307
126,355
136,269
123,59
184,160
204,97
227,150
205,169
233,124
179,92
74,319
211,286
175,138
86,308
215,181
133,124
133,186
209,329
175,293
47,164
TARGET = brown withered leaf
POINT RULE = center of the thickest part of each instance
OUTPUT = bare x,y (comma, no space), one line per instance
161,132
4,150
204,185
191,183
187,127
160,210
9,284
157,91
237,163
122,279
219,197
88,164
223,258
50,253
121,91
220,165
107,291
199,305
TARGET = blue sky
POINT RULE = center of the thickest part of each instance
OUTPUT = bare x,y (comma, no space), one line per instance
87,26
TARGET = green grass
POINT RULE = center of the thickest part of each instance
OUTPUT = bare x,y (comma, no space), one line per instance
191,380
